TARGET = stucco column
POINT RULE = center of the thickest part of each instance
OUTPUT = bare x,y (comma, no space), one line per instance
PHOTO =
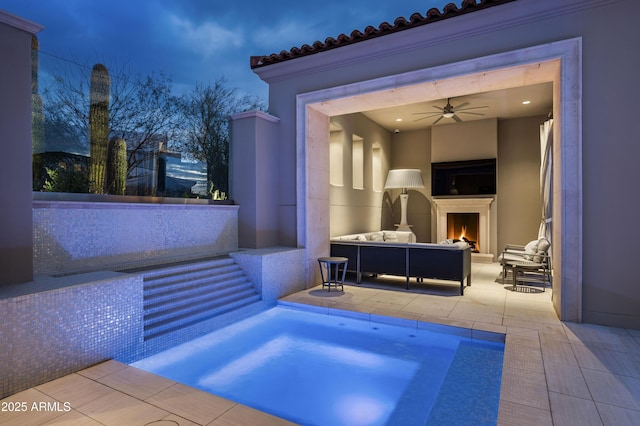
254,177
16,226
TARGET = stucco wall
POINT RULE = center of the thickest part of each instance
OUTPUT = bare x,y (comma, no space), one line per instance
254,156
359,210
412,150
607,292
16,252
520,208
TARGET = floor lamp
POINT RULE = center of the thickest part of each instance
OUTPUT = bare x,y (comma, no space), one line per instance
404,179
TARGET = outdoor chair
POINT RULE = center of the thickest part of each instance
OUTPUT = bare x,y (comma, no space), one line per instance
530,263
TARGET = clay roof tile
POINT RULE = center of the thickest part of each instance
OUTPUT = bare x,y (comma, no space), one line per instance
400,24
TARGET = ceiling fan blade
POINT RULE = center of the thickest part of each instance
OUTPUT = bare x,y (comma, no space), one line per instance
441,117
438,108
460,106
466,109
470,113
431,114
456,118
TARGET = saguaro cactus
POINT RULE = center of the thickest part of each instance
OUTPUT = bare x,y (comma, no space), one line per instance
117,166
99,126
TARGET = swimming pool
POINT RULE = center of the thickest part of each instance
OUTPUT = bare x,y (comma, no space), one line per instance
312,368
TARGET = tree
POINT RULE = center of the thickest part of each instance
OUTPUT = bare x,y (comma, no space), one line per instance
205,128
142,110
144,113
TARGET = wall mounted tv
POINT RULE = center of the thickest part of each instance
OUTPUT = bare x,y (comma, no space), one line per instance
472,177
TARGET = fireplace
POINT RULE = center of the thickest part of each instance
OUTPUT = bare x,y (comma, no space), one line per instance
471,213
465,226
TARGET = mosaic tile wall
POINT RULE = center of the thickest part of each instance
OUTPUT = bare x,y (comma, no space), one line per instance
58,327
60,324
170,340
274,271
71,237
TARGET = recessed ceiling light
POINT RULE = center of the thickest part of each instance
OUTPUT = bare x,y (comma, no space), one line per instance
398,119
526,102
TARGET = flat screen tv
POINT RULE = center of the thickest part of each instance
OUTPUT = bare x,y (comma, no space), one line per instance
472,177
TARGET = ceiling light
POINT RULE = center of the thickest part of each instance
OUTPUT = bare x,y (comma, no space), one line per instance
526,102
398,119
448,114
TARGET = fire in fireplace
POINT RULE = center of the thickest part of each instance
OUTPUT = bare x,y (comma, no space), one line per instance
466,227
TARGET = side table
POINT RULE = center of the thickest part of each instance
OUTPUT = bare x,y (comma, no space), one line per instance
333,264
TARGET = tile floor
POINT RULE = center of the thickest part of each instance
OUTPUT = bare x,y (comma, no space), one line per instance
113,393
554,373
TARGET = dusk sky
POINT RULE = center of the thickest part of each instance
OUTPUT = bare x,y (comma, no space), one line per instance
196,40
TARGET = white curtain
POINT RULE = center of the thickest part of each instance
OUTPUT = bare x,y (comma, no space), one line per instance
546,177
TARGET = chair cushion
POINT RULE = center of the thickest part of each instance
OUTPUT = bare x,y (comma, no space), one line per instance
542,249
510,257
530,249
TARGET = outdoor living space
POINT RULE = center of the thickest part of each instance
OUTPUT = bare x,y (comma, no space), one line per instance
553,373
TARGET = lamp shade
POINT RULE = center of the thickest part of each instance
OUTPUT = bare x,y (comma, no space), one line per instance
404,178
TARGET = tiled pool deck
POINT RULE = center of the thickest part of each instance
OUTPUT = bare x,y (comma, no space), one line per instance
554,373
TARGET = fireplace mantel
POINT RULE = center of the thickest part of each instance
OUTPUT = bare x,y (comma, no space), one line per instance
466,205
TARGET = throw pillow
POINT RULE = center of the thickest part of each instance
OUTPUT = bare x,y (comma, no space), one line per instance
390,236
542,249
530,249
377,236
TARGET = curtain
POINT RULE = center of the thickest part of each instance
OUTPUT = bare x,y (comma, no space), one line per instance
546,177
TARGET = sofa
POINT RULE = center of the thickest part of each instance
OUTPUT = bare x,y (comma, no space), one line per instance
398,253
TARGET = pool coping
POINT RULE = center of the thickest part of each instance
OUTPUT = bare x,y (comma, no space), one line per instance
472,333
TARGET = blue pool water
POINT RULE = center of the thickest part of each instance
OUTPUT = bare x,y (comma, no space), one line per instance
320,369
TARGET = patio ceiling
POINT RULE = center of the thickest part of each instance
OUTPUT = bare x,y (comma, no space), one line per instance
502,104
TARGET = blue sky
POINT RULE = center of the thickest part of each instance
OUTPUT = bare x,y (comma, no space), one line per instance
197,40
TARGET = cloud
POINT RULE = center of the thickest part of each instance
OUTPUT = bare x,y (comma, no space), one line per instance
285,35
206,38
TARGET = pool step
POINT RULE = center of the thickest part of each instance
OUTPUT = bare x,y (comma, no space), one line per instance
180,296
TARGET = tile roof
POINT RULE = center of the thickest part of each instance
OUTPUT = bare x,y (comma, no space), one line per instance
400,24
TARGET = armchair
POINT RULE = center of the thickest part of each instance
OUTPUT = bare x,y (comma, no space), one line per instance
530,263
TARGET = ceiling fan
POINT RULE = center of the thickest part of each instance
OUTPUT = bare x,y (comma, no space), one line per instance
449,111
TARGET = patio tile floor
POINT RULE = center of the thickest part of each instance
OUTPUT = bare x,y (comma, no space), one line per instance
554,373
